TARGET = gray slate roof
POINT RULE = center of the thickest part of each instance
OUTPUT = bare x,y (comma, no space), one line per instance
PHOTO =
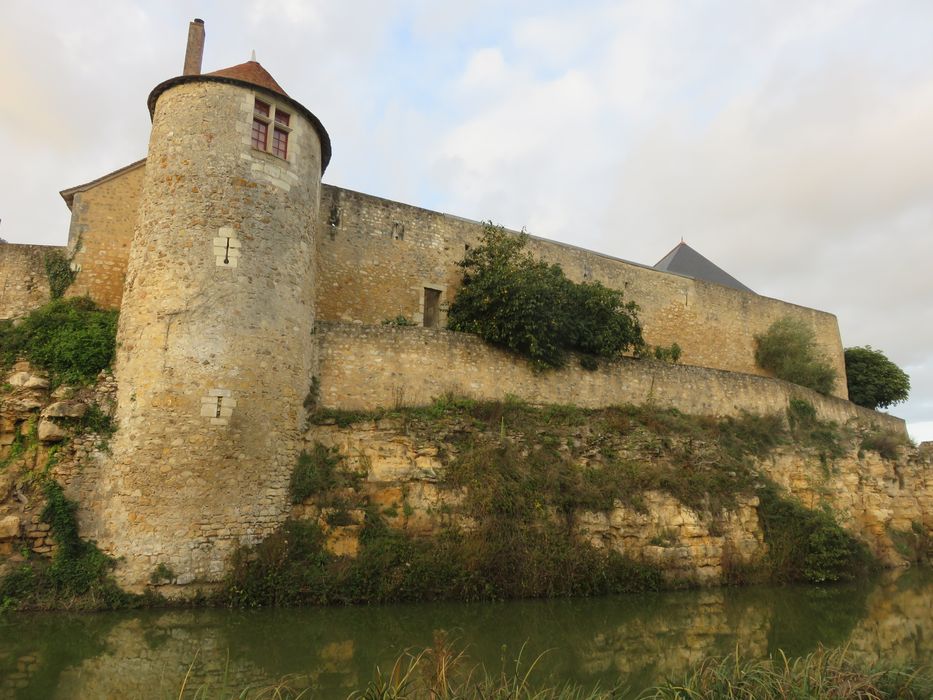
684,260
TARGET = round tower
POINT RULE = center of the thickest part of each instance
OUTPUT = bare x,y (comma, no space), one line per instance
215,354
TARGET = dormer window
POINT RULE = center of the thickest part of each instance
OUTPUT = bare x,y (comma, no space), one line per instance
270,129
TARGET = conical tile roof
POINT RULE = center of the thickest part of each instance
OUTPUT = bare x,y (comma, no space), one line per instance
250,72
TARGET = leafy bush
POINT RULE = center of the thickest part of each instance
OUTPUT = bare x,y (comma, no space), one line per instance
79,574
72,339
885,442
293,567
788,350
163,573
96,420
807,429
873,380
398,321
318,472
807,545
670,354
530,307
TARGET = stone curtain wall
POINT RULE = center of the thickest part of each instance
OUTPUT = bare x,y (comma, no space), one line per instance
102,222
364,367
24,284
376,256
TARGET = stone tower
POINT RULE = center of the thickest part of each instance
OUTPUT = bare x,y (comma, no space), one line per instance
214,352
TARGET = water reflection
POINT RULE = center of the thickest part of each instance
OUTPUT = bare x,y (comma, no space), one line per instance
641,639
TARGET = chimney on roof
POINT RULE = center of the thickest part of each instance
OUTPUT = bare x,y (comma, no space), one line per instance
195,50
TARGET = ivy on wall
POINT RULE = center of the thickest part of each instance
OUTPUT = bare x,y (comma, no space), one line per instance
58,269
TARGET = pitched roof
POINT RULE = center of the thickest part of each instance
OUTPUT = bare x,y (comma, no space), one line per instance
69,194
250,72
684,260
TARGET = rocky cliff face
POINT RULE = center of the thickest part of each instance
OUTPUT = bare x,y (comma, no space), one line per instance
55,433
886,503
685,504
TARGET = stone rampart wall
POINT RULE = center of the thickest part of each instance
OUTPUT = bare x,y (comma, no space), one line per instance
376,257
24,284
363,367
102,220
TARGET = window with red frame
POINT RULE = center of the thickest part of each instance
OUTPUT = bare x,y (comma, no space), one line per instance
266,115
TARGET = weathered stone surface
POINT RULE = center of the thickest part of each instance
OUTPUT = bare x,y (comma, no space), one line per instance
50,431
23,404
21,379
218,359
362,367
872,496
65,409
63,392
9,527
7,479
344,541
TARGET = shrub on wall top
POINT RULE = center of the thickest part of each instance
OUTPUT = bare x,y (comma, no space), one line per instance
528,306
72,339
788,350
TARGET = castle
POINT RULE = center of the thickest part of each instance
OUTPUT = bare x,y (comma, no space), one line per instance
246,288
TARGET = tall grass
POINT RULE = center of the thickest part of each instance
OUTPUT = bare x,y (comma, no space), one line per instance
825,674
444,672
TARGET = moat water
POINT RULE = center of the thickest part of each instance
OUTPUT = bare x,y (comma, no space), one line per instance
635,640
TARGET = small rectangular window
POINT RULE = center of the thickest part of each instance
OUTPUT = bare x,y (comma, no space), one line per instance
280,142
260,129
266,118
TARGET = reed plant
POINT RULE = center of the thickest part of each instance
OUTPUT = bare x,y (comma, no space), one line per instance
825,674
444,672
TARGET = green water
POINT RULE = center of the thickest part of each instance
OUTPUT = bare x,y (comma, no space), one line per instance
637,639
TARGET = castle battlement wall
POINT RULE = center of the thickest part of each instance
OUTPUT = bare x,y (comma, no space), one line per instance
365,367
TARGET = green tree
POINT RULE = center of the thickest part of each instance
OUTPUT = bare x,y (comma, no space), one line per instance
511,299
874,381
788,350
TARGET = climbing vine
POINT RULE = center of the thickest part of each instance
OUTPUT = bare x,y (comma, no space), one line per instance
58,269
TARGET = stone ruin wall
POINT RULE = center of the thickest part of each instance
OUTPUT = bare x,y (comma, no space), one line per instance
363,367
376,257
24,283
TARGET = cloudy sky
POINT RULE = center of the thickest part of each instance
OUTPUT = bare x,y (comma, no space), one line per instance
789,141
